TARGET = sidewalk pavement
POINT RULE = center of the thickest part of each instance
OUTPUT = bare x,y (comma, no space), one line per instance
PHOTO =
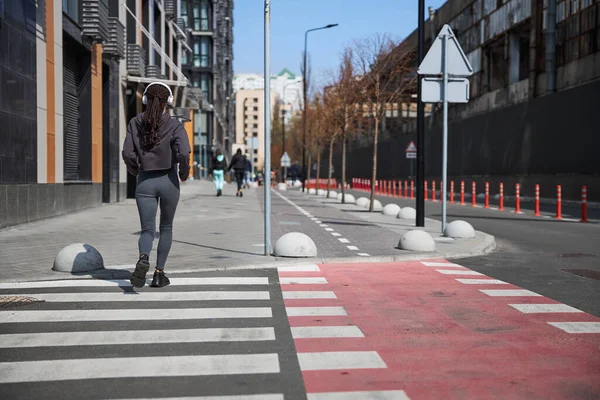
222,233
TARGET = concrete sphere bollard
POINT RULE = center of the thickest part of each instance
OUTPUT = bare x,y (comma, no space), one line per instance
391,209
339,197
407,213
297,184
282,186
295,244
312,191
376,205
362,202
459,230
417,240
78,257
332,194
349,199
321,192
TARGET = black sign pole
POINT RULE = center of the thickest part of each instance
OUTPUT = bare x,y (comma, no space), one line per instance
420,206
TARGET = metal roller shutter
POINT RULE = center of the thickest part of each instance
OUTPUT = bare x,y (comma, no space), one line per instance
71,113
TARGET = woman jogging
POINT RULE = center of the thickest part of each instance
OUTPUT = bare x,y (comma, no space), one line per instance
154,144
218,171
238,163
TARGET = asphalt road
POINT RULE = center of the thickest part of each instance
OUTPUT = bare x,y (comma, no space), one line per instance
532,252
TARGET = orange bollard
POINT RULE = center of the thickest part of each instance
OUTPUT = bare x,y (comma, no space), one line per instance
451,192
584,217
487,195
412,189
501,206
537,201
473,194
518,198
406,194
558,202
462,193
426,192
433,191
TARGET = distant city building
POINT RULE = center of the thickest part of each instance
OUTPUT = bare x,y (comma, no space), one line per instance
286,86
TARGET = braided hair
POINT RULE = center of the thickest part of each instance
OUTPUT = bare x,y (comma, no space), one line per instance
157,96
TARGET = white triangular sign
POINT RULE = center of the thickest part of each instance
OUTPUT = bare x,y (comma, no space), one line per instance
411,148
458,64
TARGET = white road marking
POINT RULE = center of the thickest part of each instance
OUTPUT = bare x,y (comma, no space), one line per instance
440,264
318,222
299,268
133,315
302,281
340,360
234,397
329,229
364,254
125,282
577,327
544,308
310,332
336,234
354,248
373,395
344,240
482,281
457,272
128,367
315,311
509,293
148,296
95,338
308,294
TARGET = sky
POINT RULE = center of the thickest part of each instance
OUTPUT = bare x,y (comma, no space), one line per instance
291,18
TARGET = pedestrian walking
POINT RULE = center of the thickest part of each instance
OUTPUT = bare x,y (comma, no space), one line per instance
218,171
248,174
238,164
154,144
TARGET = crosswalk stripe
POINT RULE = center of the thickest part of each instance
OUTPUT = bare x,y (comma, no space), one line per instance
577,327
299,268
340,360
99,368
482,282
509,293
131,315
457,272
302,281
545,308
314,311
372,395
440,264
149,296
93,338
288,295
311,332
125,282
235,397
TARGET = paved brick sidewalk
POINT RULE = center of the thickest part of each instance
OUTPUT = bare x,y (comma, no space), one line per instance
208,231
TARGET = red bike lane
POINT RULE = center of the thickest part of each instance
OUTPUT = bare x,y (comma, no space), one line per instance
435,329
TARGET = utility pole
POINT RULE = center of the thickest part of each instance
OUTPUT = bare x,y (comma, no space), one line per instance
420,221
267,129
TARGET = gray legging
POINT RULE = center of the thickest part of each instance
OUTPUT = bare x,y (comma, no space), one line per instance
154,188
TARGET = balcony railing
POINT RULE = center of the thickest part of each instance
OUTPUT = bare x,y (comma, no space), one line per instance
95,19
136,60
170,8
180,33
115,46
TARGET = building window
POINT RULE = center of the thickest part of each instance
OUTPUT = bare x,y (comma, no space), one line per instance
196,81
255,134
205,85
256,117
255,160
71,8
255,108
202,51
255,151
256,101
255,126
184,12
201,12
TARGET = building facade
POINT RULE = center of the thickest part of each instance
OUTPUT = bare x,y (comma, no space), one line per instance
72,74
250,123
209,68
534,95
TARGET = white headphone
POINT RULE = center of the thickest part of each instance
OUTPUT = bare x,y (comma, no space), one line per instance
169,100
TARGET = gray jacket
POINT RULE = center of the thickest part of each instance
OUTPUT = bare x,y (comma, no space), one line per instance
173,147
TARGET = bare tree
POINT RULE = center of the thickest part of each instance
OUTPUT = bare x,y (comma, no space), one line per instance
385,79
341,106
305,70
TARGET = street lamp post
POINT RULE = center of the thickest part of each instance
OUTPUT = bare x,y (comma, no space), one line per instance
304,95
283,142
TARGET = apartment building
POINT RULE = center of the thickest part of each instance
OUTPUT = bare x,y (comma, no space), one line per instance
209,68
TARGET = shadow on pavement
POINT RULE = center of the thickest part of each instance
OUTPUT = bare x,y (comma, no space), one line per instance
217,248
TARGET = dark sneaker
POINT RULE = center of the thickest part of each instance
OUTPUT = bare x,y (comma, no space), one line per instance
219,192
138,277
159,279
241,194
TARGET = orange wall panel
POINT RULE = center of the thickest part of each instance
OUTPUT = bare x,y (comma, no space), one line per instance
97,113
50,94
189,128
